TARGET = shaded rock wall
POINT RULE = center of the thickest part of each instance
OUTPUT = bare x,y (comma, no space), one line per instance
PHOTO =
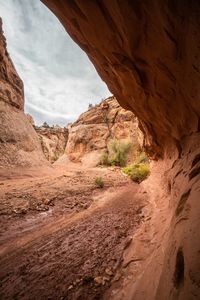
53,141
148,54
94,129
180,276
19,144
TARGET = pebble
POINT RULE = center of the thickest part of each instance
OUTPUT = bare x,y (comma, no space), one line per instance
108,272
101,280
70,287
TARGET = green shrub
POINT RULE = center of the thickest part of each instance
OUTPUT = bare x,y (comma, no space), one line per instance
137,172
99,182
104,160
118,152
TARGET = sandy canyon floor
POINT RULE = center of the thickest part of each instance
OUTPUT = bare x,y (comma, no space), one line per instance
61,237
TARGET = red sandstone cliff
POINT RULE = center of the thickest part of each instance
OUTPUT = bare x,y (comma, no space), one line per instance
19,144
90,135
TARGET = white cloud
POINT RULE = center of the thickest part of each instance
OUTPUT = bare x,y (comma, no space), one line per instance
59,79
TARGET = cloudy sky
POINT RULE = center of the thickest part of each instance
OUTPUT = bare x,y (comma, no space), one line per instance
58,77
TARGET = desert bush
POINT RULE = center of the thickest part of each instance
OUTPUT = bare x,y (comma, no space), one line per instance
137,172
118,152
104,160
99,182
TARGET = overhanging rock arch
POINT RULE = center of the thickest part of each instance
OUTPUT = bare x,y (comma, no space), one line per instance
148,54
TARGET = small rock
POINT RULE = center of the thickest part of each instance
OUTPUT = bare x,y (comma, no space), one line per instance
42,208
117,277
70,287
78,281
17,210
47,201
101,280
108,272
128,242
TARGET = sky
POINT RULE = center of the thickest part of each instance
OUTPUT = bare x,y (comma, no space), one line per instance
59,80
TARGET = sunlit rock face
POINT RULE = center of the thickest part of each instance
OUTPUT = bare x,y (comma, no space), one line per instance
148,54
19,144
91,134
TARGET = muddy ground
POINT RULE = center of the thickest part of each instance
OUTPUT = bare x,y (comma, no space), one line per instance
62,237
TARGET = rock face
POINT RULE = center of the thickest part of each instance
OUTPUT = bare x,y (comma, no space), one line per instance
11,88
53,141
89,136
31,120
148,54
19,144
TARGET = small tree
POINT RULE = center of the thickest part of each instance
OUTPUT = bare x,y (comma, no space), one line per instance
45,125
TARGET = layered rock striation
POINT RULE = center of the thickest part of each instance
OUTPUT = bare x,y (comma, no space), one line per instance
90,135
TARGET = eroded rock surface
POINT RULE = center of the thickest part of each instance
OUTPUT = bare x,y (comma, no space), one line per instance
53,141
19,144
90,135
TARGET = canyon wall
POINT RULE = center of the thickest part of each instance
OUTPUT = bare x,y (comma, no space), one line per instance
90,135
53,141
19,144
148,54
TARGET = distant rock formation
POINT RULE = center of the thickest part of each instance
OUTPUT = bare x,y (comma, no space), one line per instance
88,137
90,134
19,144
53,141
